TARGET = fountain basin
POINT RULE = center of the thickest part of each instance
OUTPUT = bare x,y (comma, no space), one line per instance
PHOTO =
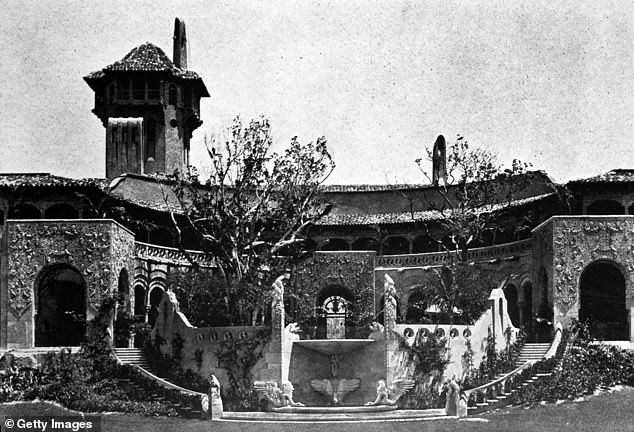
334,346
335,409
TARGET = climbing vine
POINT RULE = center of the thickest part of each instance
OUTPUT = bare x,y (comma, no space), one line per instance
428,356
238,356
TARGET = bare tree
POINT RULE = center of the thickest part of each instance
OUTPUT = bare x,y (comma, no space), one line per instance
254,207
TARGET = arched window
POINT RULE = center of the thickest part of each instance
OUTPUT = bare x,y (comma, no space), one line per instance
150,140
365,244
605,207
24,211
424,244
335,244
335,312
510,292
172,95
61,211
396,246
155,298
139,300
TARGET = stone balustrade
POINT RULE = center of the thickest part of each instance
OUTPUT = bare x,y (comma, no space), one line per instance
439,258
168,255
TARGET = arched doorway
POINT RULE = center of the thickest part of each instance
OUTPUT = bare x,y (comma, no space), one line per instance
602,301
334,312
510,292
60,319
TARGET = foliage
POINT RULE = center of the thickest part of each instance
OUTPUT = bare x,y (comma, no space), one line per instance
460,291
494,362
470,199
428,356
475,192
238,357
254,207
588,366
169,368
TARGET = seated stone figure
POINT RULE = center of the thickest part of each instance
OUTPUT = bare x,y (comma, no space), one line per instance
272,397
389,396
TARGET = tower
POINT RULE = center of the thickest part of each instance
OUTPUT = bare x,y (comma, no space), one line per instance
439,161
150,107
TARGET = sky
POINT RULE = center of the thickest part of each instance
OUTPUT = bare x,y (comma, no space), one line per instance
547,82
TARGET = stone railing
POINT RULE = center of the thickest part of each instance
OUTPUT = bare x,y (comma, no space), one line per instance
497,389
438,258
168,255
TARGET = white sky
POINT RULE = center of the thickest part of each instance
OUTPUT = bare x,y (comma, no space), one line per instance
549,82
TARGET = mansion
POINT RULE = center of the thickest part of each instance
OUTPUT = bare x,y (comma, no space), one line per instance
66,242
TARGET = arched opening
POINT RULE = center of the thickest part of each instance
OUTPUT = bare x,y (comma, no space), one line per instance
60,318
365,244
139,301
510,292
380,317
396,246
172,95
61,211
335,244
605,207
416,307
526,310
602,301
122,314
24,211
335,313
155,298
424,244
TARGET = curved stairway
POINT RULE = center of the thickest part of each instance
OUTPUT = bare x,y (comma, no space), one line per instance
135,357
497,392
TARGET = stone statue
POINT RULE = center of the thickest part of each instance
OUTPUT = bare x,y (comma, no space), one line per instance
277,292
270,394
455,405
389,396
390,291
215,400
287,395
272,397
335,389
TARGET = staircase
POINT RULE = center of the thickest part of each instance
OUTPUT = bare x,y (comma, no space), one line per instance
497,392
136,357
532,352
133,356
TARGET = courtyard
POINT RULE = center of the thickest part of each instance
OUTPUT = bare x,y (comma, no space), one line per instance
610,411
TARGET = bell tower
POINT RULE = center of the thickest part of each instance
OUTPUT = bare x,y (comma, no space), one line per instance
150,106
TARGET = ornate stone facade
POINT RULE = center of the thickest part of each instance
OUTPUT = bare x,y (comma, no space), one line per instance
98,249
578,241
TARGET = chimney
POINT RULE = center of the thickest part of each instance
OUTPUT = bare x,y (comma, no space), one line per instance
180,44
439,161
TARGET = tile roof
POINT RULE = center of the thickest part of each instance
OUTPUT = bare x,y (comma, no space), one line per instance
14,181
145,58
408,217
372,187
615,176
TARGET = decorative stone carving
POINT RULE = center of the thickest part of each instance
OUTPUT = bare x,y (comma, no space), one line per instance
352,270
97,249
439,258
335,389
172,256
389,396
272,397
578,242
